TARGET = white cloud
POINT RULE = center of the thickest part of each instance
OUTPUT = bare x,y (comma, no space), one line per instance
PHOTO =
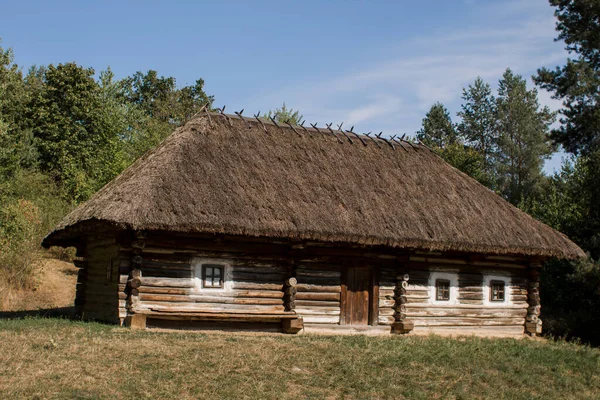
394,92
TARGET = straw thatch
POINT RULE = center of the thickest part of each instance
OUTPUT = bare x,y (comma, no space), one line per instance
230,176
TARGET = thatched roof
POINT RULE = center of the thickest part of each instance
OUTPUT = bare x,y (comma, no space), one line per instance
237,176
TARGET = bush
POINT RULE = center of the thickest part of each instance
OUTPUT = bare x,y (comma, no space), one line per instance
30,205
20,227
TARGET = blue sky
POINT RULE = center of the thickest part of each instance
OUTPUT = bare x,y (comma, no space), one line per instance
378,65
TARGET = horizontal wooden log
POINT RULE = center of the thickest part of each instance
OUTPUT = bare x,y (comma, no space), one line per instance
317,296
304,287
303,272
385,320
319,319
257,286
518,298
386,303
210,307
253,277
166,290
316,303
483,312
171,282
386,311
317,311
451,321
470,296
208,299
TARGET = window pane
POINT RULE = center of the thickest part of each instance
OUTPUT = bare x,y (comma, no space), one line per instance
442,289
497,291
217,271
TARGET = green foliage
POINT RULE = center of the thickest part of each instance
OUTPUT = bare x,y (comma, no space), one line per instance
16,148
466,159
438,130
570,289
30,205
284,115
577,82
523,141
478,126
154,107
63,135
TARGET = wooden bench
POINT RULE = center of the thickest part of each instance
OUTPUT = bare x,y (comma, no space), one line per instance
290,321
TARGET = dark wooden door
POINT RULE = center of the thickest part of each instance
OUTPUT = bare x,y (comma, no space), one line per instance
358,289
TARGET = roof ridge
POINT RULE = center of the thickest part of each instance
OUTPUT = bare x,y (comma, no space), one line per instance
340,134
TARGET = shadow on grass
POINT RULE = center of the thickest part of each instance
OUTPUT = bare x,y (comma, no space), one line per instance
59,312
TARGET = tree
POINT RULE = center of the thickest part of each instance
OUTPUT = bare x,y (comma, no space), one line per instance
577,84
438,132
156,107
523,142
160,98
478,125
284,115
74,131
438,129
16,149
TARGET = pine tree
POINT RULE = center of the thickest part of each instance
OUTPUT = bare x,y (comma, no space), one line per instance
478,126
438,129
284,115
524,142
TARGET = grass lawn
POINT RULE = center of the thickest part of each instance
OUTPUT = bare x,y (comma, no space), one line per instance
54,358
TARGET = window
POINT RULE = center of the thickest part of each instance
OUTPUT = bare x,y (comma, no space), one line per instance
212,276
443,287
442,290
497,291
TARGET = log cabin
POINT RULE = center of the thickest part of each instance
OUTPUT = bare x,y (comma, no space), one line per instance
235,221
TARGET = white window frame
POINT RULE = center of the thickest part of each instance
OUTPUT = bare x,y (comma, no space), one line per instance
199,263
487,295
452,277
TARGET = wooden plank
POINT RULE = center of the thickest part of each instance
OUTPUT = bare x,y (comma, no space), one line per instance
481,312
315,303
327,296
318,319
304,287
171,282
451,321
319,311
210,307
257,286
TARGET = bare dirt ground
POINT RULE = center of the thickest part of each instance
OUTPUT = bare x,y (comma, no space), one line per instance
54,288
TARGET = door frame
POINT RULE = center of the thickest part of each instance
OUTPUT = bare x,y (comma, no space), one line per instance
373,291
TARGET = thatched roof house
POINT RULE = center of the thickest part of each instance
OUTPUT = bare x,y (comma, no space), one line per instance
231,177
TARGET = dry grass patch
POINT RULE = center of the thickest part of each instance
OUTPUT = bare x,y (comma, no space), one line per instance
60,359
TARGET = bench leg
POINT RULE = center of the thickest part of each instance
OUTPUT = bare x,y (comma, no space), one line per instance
292,325
135,321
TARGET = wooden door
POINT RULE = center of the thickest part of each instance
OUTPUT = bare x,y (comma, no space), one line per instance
357,296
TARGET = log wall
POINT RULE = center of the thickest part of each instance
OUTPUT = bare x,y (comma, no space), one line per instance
97,296
470,310
170,288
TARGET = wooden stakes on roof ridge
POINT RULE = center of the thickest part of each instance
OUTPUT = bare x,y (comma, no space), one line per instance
260,121
273,121
305,130
332,132
294,129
